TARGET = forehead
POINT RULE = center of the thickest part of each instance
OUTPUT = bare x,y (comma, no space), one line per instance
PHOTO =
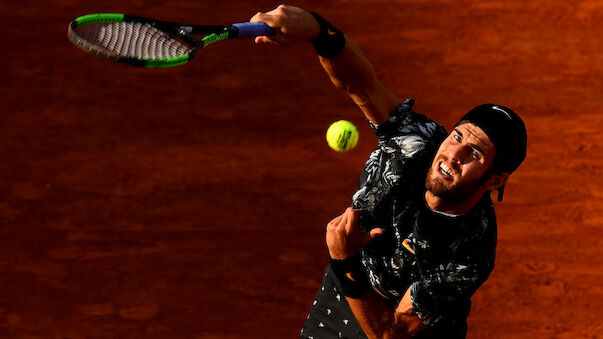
476,136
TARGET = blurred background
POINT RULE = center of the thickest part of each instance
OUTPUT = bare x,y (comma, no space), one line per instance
191,202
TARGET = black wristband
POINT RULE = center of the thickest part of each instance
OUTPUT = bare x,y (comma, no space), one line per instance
350,277
330,41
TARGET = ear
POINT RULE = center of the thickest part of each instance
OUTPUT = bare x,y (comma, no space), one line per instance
496,180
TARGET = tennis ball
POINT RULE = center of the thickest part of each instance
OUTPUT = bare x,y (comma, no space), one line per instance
342,136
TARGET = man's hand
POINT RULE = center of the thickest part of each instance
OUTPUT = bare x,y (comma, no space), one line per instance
291,24
344,238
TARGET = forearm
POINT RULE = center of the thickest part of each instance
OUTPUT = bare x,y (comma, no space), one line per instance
351,71
348,69
379,320
373,314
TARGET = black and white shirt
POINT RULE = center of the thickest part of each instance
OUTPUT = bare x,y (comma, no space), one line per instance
443,259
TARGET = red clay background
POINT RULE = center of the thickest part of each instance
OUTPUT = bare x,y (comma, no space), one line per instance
191,202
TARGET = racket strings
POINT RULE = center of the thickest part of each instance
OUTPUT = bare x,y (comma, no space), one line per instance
130,39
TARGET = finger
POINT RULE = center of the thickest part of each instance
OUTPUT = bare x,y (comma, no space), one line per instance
344,223
265,40
357,212
376,232
369,237
352,219
258,17
352,222
266,18
354,214
335,222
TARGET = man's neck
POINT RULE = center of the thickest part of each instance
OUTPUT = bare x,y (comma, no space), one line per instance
450,206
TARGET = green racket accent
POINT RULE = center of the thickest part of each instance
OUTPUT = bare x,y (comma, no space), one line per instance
100,17
150,43
168,62
215,37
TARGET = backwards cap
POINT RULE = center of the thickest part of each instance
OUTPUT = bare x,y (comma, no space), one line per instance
507,132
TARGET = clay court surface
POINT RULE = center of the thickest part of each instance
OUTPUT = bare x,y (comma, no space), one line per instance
191,202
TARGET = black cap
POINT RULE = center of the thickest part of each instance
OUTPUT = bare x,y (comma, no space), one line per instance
507,132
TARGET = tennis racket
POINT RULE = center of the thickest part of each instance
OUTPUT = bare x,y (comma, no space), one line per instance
151,43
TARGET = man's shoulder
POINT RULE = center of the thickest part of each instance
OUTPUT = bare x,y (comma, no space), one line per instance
404,121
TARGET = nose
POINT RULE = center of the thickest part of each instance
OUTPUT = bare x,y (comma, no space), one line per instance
459,154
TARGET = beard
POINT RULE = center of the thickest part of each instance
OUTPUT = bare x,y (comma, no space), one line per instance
442,189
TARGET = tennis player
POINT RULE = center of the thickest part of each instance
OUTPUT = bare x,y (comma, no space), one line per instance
420,236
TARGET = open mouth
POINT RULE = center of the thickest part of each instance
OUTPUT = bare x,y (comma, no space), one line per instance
447,171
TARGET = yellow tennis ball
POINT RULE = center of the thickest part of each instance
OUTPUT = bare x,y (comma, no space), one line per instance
342,136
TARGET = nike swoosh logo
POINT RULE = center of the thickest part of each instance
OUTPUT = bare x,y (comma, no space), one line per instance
406,244
502,110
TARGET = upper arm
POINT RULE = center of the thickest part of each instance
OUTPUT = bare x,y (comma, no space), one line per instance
376,103
352,72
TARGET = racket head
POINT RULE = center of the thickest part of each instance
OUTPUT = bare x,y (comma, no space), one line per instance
133,40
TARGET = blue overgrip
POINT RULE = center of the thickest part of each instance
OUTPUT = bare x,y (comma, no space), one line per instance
247,29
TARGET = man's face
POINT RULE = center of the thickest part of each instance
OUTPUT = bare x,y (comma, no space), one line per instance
461,163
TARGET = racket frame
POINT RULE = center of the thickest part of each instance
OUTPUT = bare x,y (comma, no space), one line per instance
184,32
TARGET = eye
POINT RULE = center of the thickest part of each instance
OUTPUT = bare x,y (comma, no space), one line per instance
457,137
475,154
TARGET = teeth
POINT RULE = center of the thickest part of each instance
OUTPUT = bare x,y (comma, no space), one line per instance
446,170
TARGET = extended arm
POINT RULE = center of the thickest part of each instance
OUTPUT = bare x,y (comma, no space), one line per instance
349,71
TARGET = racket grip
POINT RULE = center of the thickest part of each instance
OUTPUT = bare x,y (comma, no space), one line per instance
247,29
